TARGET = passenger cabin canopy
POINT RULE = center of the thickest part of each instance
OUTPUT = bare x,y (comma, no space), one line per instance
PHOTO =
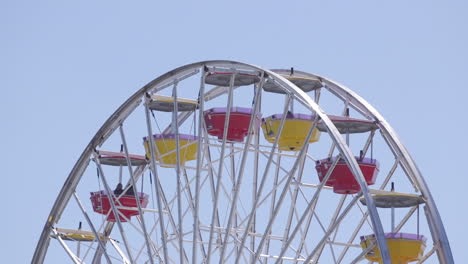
165,147
238,126
76,235
348,125
222,77
295,129
395,200
167,103
126,204
120,159
342,179
306,84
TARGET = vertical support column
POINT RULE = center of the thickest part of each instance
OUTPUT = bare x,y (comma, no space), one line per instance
90,223
285,189
136,194
156,179
308,210
175,123
262,183
294,195
239,177
220,167
201,106
110,195
255,176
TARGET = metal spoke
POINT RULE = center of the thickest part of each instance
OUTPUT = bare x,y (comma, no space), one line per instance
114,209
220,168
286,187
238,183
255,176
175,123
331,228
93,229
308,209
428,255
294,195
264,177
273,201
199,165
156,179
67,249
137,198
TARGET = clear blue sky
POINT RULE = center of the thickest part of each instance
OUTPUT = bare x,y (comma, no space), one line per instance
65,66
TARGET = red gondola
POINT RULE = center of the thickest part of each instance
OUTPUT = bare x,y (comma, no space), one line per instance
101,204
342,179
239,121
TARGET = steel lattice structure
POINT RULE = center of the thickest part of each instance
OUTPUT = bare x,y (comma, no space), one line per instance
237,202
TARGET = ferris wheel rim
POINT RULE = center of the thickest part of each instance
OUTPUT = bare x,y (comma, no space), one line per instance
127,107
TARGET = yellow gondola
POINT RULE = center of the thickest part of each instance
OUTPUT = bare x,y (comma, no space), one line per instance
295,129
166,148
403,248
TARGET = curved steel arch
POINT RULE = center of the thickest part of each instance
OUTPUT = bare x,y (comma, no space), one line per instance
125,109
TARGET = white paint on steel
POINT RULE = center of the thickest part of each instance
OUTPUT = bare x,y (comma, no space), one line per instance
439,235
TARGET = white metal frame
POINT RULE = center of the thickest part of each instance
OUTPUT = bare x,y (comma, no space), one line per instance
229,241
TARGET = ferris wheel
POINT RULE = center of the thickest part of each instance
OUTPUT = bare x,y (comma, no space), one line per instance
226,162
